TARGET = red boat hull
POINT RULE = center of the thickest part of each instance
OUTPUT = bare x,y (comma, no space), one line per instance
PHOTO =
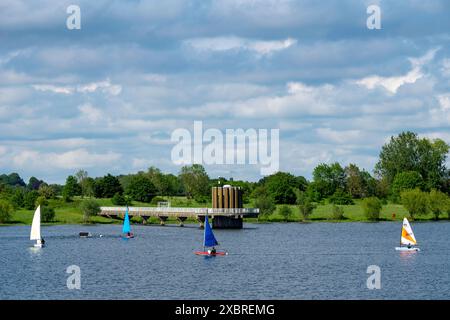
206,253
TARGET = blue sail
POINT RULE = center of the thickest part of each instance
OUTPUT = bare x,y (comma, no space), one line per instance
126,223
210,240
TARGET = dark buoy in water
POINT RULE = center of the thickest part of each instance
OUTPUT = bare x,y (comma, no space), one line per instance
85,234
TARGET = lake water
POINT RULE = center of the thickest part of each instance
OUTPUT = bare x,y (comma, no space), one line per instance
266,261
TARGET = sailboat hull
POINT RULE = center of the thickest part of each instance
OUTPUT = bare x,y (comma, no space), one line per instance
407,249
206,253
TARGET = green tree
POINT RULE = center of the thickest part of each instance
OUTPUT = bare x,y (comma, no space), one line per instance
264,201
313,192
415,201
17,200
159,180
82,176
89,208
111,185
354,181
47,214
406,181
29,200
107,186
285,211
118,199
71,188
41,201
438,202
407,152
305,205
382,188
34,183
88,187
140,188
281,186
372,208
13,180
46,191
328,178
341,197
6,210
195,181
175,185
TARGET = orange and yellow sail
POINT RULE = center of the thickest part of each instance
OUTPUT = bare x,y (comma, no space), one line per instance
407,237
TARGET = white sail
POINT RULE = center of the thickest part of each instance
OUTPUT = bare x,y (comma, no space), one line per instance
36,225
407,237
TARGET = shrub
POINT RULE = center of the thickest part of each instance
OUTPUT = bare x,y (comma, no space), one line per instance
305,205
337,212
6,210
155,200
41,201
415,201
118,199
89,208
285,212
266,205
341,197
372,208
47,214
438,202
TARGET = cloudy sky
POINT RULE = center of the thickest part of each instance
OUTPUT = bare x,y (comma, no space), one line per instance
106,98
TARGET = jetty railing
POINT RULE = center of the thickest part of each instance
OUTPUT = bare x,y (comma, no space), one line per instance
179,212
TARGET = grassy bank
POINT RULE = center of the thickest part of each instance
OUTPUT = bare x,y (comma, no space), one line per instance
70,213
352,213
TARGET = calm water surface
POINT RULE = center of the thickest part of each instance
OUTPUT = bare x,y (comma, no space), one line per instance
266,261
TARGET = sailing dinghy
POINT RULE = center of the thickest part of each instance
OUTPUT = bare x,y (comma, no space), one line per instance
126,229
35,233
408,241
209,241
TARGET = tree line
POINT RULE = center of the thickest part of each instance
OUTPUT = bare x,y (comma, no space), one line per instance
410,170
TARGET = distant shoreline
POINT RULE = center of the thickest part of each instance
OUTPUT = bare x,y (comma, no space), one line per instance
173,223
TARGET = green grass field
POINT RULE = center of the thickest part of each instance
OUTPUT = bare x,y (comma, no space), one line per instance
70,213
352,213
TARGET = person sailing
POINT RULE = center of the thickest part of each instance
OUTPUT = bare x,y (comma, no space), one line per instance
213,250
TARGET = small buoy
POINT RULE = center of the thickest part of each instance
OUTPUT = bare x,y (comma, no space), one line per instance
101,235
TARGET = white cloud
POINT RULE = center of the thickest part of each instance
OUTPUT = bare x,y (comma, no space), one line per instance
92,114
344,136
444,101
392,84
446,67
103,86
74,159
54,89
260,47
